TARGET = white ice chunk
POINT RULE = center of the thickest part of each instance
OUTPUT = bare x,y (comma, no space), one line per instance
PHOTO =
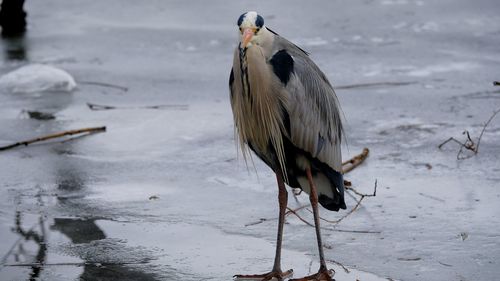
35,78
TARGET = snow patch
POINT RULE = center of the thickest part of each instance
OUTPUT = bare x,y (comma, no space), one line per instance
312,42
426,26
130,192
238,183
35,78
400,25
431,69
412,70
394,2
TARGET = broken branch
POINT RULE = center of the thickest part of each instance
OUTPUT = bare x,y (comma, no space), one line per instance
363,194
348,165
448,140
484,128
355,207
298,216
102,84
94,106
352,163
355,231
295,211
341,265
53,136
469,144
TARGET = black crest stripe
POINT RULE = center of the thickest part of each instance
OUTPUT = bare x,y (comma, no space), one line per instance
240,19
259,22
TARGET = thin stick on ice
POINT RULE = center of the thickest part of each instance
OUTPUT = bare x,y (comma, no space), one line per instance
54,136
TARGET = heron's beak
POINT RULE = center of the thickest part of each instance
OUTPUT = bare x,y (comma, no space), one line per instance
246,37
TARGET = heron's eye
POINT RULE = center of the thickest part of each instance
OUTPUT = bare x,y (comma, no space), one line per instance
241,30
257,30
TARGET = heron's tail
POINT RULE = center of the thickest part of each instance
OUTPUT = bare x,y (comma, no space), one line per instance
337,185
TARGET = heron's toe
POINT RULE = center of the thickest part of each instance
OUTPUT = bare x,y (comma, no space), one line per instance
322,275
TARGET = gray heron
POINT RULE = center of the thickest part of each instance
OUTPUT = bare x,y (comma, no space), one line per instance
285,110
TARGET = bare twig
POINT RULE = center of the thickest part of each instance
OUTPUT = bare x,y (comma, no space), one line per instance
409,259
445,264
484,128
341,265
94,106
53,136
355,207
344,216
448,140
300,218
102,84
355,231
352,163
432,197
295,211
469,144
289,211
363,194
261,220
348,166
329,229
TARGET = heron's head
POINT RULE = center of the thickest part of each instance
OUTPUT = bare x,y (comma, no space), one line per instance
251,26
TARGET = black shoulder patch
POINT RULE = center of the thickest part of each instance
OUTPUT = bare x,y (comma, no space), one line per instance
231,78
282,64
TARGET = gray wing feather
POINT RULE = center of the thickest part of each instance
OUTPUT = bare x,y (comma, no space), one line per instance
313,108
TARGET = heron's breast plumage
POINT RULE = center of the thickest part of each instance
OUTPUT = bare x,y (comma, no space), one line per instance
258,106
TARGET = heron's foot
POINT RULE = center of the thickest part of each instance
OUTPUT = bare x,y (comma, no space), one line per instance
323,274
278,275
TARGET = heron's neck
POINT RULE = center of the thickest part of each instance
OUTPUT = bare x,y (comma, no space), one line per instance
261,105
266,41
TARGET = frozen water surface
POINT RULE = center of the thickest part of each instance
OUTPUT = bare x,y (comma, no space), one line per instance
162,194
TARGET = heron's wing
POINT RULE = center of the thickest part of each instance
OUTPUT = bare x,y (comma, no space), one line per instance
312,106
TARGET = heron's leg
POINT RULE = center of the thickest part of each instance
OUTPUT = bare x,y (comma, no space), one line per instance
276,272
323,272
283,201
313,197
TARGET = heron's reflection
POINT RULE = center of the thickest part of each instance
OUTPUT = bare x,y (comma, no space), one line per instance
36,234
82,228
15,48
13,24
